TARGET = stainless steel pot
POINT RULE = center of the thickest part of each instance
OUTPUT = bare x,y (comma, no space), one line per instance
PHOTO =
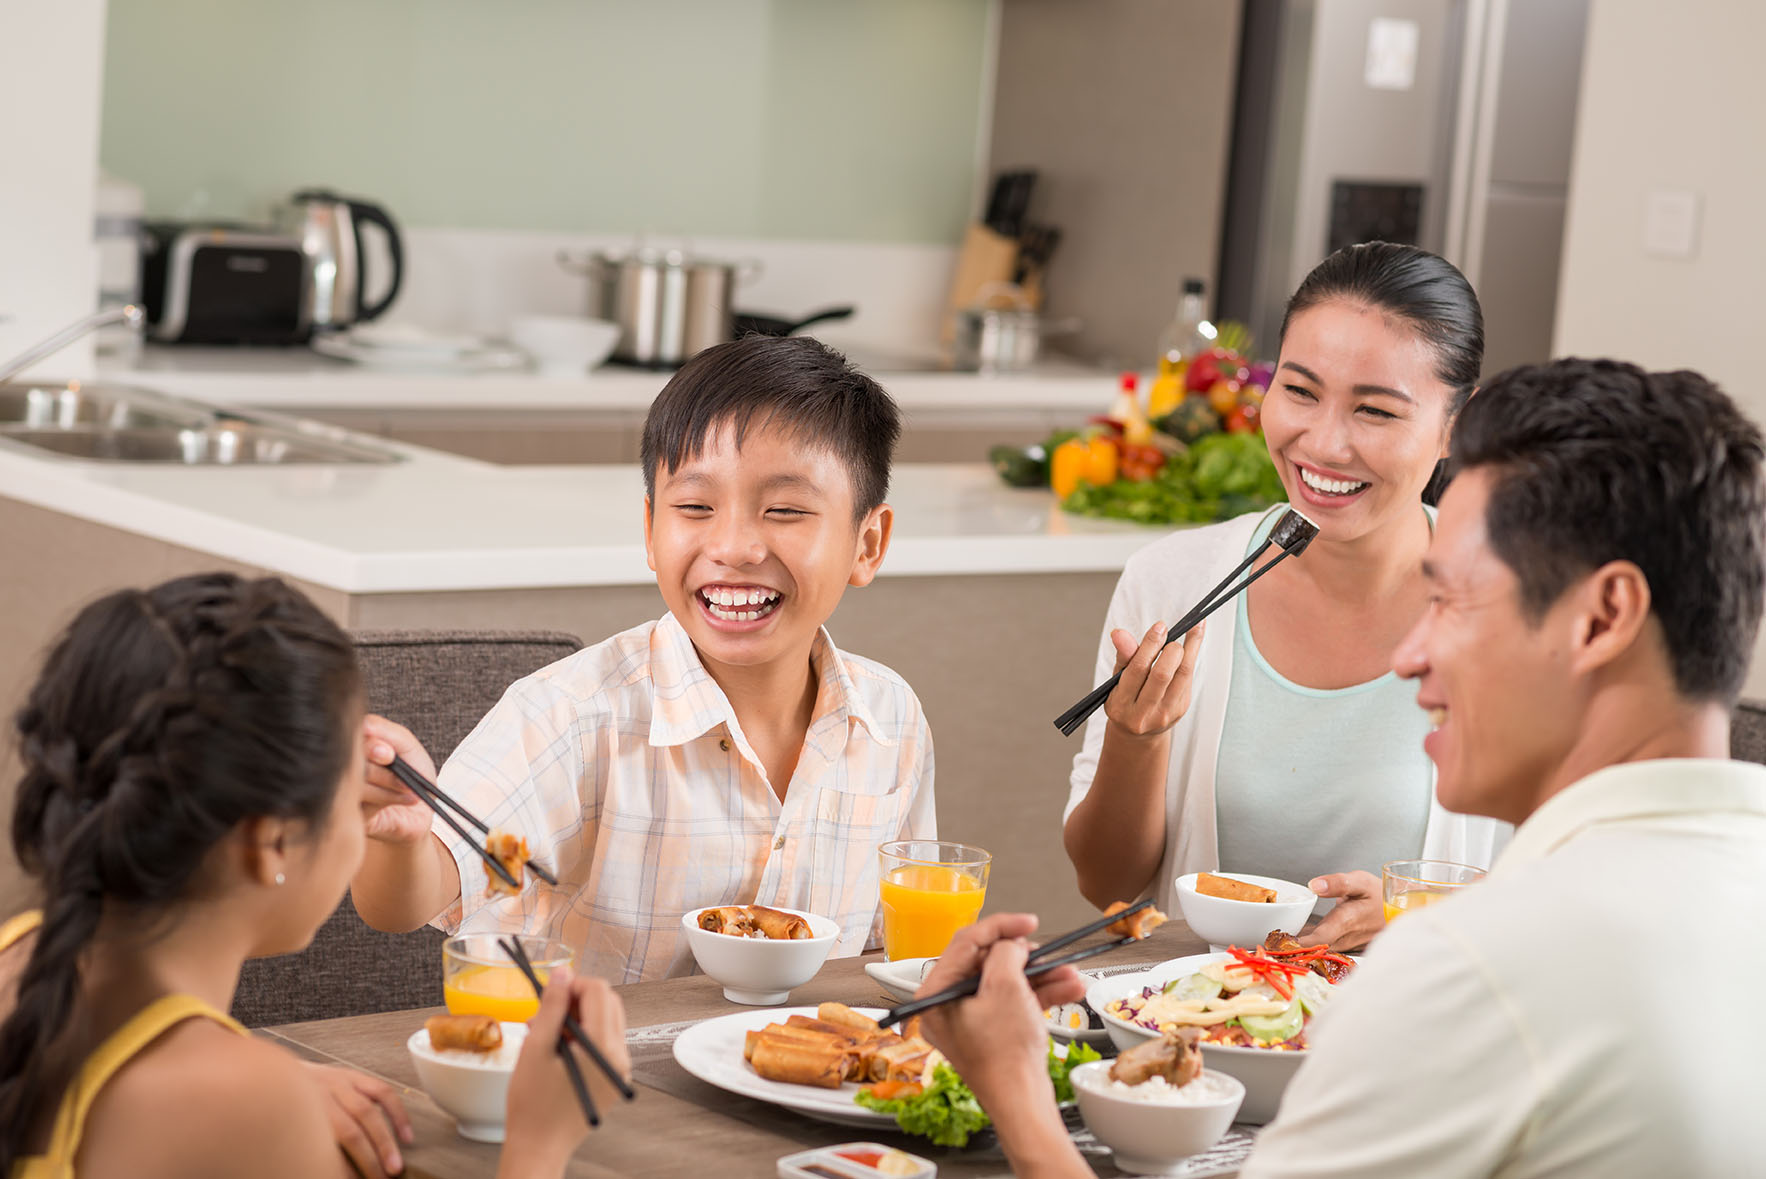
668,306
996,339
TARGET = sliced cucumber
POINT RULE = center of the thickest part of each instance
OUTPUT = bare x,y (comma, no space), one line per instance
1194,986
1270,1029
1314,992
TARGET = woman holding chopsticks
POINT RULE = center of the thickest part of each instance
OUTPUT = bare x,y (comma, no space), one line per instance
1274,739
193,796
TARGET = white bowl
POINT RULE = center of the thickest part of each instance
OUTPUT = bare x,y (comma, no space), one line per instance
564,345
1265,1072
1150,1138
1221,922
902,977
760,971
475,1090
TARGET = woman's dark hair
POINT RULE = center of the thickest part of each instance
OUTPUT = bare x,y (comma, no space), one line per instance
795,383
1594,461
162,719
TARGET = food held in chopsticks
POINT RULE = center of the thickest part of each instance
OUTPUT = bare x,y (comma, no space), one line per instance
1260,998
1136,925
755,921
1226,888
464,1033
510,850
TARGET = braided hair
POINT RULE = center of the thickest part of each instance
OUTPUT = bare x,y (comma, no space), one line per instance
163,719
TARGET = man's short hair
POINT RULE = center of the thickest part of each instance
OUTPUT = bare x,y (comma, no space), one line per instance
1594,461
793,383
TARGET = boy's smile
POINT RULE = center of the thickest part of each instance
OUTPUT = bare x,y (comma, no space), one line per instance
754,546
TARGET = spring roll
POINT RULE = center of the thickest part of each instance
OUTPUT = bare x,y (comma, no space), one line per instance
1137,925
783,927
1229,889
797,1063
730,919
840,1013
780,1031
900,1062
850,1034
464,1033
510,850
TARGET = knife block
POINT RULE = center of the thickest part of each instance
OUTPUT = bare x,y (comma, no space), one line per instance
986,257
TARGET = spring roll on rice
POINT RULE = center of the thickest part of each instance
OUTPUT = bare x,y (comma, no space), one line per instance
780,926
464,1033
730,919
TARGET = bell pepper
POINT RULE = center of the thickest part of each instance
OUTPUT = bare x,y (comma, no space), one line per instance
1102,457
1092,459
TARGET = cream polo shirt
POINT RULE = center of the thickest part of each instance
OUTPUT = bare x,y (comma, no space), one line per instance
1593,1008
625,768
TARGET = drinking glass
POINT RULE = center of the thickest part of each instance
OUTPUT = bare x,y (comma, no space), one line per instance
478,978
929,889
1412,884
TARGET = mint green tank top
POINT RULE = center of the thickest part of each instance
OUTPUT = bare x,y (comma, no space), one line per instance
1310,780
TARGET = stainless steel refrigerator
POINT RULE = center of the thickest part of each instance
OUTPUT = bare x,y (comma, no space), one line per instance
1442,123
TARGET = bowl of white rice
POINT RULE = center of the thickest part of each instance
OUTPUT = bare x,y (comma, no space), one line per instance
473,1087
1154,1126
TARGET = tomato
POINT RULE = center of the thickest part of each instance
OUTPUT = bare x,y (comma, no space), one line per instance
1224,396
1242,420
1214,365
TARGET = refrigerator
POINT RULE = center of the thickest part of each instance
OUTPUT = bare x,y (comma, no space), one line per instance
1441,123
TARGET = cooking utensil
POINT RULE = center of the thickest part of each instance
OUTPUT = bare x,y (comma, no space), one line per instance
750,323
330,230
996,339
1009,202
668,305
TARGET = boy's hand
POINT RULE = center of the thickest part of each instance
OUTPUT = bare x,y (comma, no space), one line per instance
395,815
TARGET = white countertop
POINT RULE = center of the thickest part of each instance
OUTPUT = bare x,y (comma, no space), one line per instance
438,522
293,379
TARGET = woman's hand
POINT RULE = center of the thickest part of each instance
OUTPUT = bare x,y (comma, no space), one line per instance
395,815
1359,916
1154,692
544,1122
367,1119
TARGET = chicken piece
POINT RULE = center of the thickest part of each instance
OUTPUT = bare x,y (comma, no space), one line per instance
1174,1056
1136,925
510,851
1280,941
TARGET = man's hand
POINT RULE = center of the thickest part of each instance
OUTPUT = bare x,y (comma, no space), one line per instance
1359,916
367,1119
395,815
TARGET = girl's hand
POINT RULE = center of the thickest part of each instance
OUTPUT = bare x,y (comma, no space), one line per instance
1154,692
544,1123
367,1119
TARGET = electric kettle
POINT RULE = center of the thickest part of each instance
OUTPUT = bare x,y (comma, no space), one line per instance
330,230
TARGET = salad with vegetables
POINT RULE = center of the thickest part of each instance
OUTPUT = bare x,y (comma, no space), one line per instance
946,1111
1261,998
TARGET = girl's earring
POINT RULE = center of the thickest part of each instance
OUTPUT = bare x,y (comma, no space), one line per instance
281,879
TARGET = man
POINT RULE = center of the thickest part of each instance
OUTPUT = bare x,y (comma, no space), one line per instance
1593,1007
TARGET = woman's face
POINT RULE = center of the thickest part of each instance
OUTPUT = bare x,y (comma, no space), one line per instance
1355,418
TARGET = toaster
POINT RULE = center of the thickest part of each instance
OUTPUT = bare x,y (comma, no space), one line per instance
224,284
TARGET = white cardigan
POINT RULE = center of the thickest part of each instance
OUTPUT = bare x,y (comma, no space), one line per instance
1159,583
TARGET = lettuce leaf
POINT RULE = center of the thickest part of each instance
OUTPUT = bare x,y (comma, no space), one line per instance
947,1112
1060,1069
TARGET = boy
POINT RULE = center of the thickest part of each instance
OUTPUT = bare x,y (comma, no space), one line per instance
724,754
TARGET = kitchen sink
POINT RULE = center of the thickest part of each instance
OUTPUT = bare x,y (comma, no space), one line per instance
221,444
44,406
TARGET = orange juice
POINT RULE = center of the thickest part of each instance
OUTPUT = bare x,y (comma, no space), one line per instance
501,992
924,905
1404,902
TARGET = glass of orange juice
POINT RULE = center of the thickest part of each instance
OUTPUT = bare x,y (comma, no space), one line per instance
930,889
1411,884
478,978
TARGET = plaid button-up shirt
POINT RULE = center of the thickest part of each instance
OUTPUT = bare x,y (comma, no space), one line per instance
626,770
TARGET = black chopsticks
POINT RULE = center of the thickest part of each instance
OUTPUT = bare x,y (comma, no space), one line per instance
440,803
512,947
1293,532
1038,963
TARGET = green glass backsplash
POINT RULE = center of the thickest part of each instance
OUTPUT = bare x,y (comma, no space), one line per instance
841,119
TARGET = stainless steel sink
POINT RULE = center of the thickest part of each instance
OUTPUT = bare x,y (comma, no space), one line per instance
116,423
220,444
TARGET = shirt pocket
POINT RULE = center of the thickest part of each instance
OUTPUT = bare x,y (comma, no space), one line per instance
843,870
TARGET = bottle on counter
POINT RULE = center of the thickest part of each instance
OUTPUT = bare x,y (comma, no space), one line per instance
1187,335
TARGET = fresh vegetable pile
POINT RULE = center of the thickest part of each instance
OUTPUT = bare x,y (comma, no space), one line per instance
1221,476
946,1111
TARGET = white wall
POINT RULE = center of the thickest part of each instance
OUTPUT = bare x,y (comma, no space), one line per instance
51,66
1673,98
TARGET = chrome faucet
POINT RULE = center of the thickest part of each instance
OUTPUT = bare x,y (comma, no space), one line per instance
130,314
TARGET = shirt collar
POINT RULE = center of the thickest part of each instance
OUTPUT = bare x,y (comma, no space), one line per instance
689,703
1635,791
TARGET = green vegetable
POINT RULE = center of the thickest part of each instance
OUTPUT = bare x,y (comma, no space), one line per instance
1272,1029
1221,476
946,1112
1060,1068
1194,986
1192,420
1021,466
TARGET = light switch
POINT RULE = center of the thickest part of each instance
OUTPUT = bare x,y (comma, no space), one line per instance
1671,223
1391,53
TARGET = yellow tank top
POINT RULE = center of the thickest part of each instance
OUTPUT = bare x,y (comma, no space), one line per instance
143,1028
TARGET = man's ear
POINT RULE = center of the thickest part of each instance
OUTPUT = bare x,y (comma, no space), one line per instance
873,542
649,549
1612,613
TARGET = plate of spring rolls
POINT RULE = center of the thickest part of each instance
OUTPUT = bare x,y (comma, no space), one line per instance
810,1059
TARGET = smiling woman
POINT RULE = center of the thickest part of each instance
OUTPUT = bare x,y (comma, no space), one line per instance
1283,745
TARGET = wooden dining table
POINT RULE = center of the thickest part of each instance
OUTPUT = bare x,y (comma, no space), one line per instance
680,1127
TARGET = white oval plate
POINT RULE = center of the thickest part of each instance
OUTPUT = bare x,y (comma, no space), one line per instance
712,1051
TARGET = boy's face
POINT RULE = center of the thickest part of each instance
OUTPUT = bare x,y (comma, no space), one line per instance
752,548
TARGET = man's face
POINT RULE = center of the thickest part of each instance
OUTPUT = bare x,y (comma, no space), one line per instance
1500,691
753,548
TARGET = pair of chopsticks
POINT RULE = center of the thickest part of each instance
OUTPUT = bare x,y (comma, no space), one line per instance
440,803
1039,963
512,947
1293,532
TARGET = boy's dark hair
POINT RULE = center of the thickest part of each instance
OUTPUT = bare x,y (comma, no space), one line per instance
1595,461
162,719
795,383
